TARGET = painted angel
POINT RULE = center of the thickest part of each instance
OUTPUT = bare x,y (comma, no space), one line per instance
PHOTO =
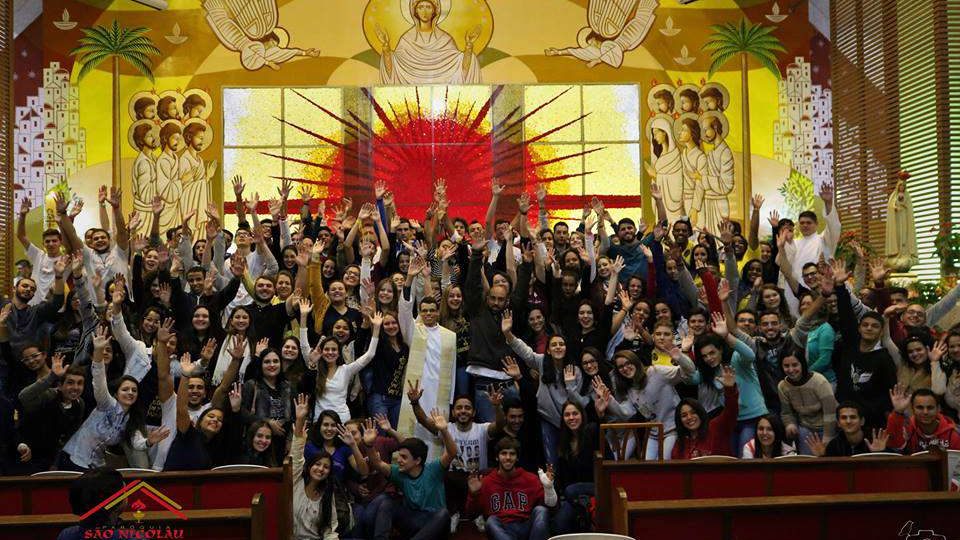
249,27
610,34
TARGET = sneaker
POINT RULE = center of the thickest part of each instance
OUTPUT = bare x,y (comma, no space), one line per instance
480,523
454,522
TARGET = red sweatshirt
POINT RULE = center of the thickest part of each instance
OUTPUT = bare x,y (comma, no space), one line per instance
907,436
717,441
510,499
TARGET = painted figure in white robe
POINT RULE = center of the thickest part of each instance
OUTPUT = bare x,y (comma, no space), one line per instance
195,174
694,164
717,184
665,166
249,27
610,34
168,175
146,138
426,54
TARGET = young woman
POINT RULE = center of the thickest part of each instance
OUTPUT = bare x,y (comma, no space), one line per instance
268,396
697,434
239,327
387,370
321,505
722,347
769,441
592,364
648,392
331,376
574,468
914,357
552,392
259,445
116,417
452,318
945,373
326,438
807,403
537,331
771,298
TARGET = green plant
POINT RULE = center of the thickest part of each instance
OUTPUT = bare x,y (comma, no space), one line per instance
947,244
927,292
797,193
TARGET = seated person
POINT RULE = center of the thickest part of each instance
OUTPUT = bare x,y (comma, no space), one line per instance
925,428
851,439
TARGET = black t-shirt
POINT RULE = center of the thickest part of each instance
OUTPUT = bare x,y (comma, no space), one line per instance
189,452
840,447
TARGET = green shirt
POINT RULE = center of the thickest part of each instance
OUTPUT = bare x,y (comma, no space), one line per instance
424,492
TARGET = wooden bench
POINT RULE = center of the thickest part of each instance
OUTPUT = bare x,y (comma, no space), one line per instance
194,490
222,524
803,517
686,479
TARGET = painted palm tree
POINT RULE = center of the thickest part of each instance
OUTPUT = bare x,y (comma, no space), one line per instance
744,41
117,44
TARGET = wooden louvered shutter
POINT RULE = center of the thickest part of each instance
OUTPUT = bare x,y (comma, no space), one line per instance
6,145
896,86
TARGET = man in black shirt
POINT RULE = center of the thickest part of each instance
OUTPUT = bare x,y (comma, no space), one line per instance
851,440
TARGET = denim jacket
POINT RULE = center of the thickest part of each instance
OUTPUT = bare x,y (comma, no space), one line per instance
104,427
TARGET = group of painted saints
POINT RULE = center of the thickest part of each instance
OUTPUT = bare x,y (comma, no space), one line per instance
169,132
689,157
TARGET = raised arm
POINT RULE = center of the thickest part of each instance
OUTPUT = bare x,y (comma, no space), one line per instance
22,223
162,357
123,234
414,393
491,218
449,445
369,438
753,241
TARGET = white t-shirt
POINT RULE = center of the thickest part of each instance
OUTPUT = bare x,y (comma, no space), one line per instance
108,264
43,273
471,447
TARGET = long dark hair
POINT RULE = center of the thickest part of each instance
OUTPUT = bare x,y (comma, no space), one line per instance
322,369
707,373
621,384
137,413
921,337
316,437
791,350
331,489
682,431
603,370
266,457
549,375
567,436
779,435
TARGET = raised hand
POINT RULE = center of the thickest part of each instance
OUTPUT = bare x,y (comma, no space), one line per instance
757,201
496,187
774,218
187,366
900,398
655,191
496,398
878,270
306,306
56,365
879,441
474,483
511,368
938,350
346,436
618,265
816,444
382,421
729,377
165,293
236,397
541,193
261,346
238,347
238,187
439,419
506,321
76,209
569,374
826,193
523,203
840,272
208,350
414,392
114,198
719,325
369,433
165,331
101,338
301,407
60,203
156,435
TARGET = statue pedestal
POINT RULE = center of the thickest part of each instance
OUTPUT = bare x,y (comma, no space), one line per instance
902,279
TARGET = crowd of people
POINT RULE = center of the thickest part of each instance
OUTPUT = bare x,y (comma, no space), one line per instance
426,372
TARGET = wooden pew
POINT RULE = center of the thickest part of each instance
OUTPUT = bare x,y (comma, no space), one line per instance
803,517
222,524
685,479
194,490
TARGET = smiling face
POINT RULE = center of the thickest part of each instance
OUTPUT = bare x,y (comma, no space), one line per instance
953,346
792,368
914,315
917,353
262,439
689,418
337,292
150,323
770,326
211,422
663,312
925,410
747,323
127,394
196,391
271,365
589,364
463,412
625,367
330,352
849,421
329,268
766,253
264,289
766,433
536,321
284,287
328,429
391,326
557,347
385,293
72,387
320,469
351,276
240,321
507,458
697,323
33,358
585,316
201,320
572,417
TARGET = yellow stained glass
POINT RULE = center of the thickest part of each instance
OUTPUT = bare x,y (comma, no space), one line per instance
400,97
299,111
613,112
470,99
616,169
256,170
574,165
250,117
565,109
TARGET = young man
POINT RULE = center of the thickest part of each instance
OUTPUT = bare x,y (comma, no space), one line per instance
28,321
513,499
40,261
851,439
197,401
423,514
50,414
926,428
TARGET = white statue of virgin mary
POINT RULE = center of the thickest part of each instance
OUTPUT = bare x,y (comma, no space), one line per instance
426,54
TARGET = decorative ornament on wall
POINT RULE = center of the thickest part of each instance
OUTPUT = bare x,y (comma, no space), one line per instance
774,16
65,23
609,34
250,27
668,29
684,59
175,36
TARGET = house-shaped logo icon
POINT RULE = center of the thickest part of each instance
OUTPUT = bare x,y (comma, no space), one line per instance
138,486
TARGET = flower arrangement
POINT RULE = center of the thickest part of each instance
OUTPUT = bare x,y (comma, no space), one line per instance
927,292
947,244
845,248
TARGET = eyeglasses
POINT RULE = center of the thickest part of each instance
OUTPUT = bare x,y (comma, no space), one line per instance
809,275
621,367
591,361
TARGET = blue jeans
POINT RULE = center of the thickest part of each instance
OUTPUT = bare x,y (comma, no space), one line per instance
374,519
803,432
551,439
745,431
481,397
535,528
463,386
381,404
574,495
